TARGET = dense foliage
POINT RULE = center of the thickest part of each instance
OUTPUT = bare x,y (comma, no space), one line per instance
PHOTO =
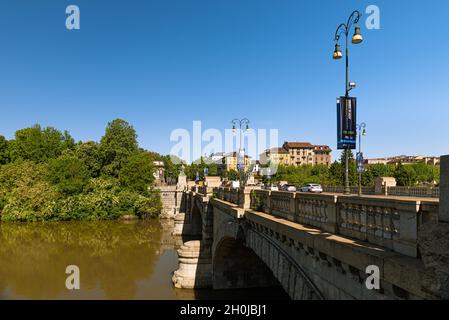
198,167
44,175
405,175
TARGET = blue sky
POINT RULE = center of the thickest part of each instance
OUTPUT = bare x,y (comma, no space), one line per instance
161,64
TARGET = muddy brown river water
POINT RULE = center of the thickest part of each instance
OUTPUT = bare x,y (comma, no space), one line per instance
116,260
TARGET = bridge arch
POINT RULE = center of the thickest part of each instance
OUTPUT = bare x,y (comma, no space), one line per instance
243,257
293,279
237,266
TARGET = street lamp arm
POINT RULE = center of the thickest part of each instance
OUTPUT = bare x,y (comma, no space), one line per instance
353,19
240,122
342,29
345,28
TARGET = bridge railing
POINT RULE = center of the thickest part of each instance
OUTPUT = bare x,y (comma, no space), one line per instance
354,190
204,190
390,223
421,192
227,194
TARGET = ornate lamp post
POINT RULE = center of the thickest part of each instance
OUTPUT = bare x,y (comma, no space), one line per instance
242,125
361,128
344,29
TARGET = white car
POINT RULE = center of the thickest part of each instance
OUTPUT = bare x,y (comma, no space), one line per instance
272,188
288,187
312,187
235,184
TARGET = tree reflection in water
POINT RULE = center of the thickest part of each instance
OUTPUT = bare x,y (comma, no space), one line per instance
112,256
117,260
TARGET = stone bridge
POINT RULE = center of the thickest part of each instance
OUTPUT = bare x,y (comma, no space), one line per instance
314,246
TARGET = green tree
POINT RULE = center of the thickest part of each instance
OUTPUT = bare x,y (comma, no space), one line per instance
423,172
39,145
405,175
336,173
69,174
52,178
436,174
172,167
367,178
118,143
352,167
232,175
381,170
4,156
137,173
89,154
213,169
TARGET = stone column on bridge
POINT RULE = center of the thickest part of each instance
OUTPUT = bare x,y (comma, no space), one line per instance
245,196
383,183
434,242
444,189
182,181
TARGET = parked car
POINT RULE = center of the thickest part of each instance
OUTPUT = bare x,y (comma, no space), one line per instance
272,187
312,187
288,187
235,184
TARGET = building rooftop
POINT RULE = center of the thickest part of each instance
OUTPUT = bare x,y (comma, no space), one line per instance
276,151
298,145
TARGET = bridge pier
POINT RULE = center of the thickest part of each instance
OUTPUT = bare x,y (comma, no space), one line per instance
195,259
195,266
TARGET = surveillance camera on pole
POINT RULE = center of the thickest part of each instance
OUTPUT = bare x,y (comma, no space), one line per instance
352,85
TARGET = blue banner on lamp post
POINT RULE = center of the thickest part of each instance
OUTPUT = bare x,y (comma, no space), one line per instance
360,163
346,123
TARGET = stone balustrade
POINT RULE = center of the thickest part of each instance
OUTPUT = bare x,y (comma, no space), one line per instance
388,222
317,210
353,190
204,190
421,192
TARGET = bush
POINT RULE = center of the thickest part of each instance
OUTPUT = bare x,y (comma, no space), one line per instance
105,200
26,195
69,174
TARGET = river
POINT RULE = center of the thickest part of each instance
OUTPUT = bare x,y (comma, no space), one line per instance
117,260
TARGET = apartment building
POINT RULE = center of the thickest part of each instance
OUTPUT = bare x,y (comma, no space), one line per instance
298,154
275,155
229,161
305,153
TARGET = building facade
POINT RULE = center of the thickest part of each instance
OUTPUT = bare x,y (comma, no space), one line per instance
275,155
322,155
229,161
298,154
